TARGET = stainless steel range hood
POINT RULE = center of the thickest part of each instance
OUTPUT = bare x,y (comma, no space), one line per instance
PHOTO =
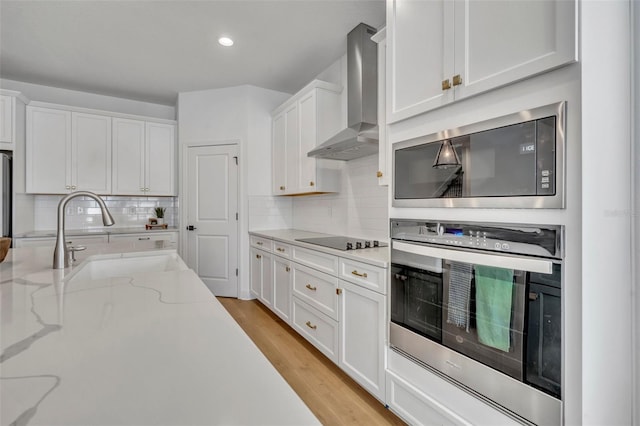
361,137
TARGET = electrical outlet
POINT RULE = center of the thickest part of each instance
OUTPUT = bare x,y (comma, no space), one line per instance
80,210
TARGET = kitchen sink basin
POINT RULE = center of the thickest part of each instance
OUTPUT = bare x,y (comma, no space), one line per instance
128,266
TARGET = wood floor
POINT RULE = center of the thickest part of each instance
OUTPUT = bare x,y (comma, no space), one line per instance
331,395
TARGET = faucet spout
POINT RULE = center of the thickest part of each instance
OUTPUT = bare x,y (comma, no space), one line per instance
60,253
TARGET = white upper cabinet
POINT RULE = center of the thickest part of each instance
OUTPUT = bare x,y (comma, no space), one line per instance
48,150
6,121
91,153
160,164
384,150
71,149
67,151
441,51
143,158
303,122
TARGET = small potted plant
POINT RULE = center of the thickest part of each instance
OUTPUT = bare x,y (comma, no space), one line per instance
159,212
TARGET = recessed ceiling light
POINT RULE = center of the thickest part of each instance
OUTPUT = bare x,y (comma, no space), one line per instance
225,41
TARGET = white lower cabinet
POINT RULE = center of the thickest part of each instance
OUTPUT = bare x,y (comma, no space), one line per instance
337,304
362,336
320,330
416,407
282,288
261,276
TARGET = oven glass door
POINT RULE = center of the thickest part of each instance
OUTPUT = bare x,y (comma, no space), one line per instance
472,303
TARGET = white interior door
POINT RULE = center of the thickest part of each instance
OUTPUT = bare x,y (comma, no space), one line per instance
212,224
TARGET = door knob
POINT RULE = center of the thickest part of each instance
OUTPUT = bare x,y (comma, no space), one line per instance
191,228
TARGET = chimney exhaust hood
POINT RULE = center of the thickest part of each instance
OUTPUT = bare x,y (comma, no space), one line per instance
361,137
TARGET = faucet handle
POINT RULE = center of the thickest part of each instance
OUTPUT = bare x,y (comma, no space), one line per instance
73,250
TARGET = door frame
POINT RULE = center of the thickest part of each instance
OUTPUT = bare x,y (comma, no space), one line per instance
183,203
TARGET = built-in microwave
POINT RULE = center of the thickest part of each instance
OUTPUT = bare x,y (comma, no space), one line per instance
513,161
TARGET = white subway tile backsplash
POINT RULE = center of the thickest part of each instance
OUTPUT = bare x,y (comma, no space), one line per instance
84,213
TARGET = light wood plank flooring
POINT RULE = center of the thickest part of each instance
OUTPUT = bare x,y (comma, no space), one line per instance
331,395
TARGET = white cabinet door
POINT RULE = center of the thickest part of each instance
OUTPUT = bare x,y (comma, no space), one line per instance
48,151
160,159
499,42
307,110
362,337
420,41
261,277
282,288
91,153
279,154
292,149
128,156
6,121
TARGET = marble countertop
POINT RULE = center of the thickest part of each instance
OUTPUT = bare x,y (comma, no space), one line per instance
374,256
93,231
153,348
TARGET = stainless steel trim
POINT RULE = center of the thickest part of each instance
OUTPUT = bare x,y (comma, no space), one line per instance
499,261
476,378
543,202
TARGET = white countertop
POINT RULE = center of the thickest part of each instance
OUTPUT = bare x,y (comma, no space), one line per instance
94,231
155,348
374,256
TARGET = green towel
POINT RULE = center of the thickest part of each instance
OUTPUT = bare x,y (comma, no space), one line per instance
494,287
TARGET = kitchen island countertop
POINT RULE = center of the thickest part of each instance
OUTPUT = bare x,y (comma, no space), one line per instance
154,348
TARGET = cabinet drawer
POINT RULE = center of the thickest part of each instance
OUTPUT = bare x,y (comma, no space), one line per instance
317,289
156,236
261,243
282,249
367,276
320,331
315,259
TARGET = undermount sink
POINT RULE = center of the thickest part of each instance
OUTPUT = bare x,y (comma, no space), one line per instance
127,266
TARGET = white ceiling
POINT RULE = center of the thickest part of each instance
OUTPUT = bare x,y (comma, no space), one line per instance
151,50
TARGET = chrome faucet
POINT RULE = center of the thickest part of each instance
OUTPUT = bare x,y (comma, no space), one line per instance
61,252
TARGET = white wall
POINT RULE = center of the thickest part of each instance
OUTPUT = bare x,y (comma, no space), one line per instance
607,357
36,92
359,210
243,114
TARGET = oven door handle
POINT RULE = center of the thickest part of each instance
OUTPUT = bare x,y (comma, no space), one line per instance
496,260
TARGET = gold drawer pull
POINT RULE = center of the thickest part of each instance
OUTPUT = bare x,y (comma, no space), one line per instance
311,183
280,249
259,243
457,80
287,269
310,287
379,174
356,273
313,327
282,188
446,85
258,256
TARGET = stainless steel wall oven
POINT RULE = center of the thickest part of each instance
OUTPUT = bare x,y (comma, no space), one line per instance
481,305
514,161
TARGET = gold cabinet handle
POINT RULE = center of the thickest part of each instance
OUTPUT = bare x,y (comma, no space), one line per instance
258,256
310,287
358,274
282,188
259,243
311,183
457,80
287,269
280,249
338,291
446,85
313,327
379,174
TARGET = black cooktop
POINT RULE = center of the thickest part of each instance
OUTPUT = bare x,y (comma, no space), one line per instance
343,243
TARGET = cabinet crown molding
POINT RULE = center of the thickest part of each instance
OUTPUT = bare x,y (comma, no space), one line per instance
15,94
315,84
101,112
